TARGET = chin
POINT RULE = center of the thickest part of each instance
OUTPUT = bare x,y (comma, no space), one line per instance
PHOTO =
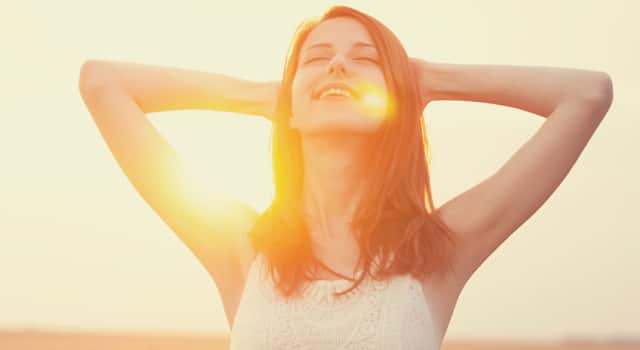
335,120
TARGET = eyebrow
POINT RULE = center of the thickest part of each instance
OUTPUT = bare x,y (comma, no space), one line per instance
356,44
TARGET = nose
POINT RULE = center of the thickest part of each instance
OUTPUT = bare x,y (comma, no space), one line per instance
337,65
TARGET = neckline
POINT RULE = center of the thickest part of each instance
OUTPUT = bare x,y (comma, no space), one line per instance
338,281
341,277
334,281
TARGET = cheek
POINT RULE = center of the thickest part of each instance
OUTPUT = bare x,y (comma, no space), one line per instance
380,81
301,89
298,102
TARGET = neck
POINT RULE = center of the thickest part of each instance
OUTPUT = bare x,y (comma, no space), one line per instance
334,170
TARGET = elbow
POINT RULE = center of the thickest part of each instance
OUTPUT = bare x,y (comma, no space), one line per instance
92,76
601,91
605,89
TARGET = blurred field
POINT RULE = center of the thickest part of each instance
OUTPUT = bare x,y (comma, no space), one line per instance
37,340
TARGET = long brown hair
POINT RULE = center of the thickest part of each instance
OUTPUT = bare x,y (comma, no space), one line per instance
394,221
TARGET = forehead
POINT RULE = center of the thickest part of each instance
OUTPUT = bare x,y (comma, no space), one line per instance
339,32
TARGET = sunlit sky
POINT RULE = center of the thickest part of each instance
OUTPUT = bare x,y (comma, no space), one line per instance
79,248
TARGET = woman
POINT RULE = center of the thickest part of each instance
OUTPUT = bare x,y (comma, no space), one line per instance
351,253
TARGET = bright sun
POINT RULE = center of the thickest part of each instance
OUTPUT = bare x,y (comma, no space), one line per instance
226,159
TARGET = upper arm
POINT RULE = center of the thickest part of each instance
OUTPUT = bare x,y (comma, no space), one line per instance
487,214
211,232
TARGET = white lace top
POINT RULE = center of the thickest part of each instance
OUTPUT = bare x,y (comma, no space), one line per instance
389,315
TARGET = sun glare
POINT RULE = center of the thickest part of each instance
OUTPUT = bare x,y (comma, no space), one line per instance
201,191
224,162
374,100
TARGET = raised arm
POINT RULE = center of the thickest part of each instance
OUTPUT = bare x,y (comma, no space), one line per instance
573,101
160,88
118,95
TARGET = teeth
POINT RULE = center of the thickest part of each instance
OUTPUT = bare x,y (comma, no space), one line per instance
335,91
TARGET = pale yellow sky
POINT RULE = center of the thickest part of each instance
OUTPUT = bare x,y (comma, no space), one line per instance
79,248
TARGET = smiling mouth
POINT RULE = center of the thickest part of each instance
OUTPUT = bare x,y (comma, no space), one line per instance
336,98
336,91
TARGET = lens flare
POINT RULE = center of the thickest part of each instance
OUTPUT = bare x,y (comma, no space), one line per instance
373,100
200,192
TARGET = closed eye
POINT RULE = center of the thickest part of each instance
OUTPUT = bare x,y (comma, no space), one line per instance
367,59
357,59
315,59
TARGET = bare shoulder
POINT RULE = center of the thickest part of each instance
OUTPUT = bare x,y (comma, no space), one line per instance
244,252
441,291
230,265
224,254
244,218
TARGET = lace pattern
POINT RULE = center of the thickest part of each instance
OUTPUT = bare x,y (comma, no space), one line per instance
389,314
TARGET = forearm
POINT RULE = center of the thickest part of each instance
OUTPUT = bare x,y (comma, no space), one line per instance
538,90
159,88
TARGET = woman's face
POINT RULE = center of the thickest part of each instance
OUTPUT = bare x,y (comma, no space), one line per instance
338,53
